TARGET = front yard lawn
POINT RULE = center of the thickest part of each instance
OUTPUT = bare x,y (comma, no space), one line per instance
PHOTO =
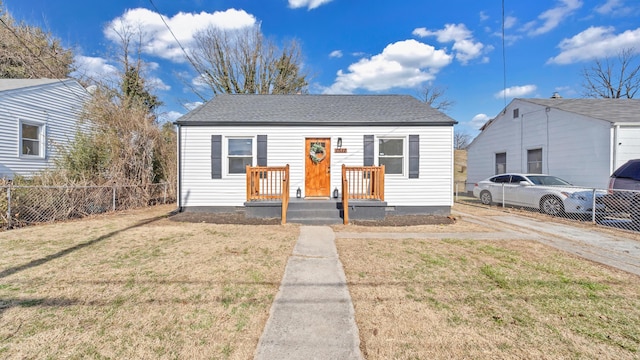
136,285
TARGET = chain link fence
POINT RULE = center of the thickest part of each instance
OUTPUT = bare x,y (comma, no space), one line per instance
25,205
615,209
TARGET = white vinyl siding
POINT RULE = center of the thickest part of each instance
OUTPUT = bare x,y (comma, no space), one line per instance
567,140
55,108
286,145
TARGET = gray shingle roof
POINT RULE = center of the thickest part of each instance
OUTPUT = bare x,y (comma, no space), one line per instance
318,110
612,110
12,84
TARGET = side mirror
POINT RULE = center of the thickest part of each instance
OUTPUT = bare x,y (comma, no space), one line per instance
525,183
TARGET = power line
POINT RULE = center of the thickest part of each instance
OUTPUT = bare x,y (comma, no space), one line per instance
504,62
174,36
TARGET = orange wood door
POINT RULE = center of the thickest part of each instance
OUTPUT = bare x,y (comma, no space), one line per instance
317,167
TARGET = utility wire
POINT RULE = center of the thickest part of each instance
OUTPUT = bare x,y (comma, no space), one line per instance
504,63
174,36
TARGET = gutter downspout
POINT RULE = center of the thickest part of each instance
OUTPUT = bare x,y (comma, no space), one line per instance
614,150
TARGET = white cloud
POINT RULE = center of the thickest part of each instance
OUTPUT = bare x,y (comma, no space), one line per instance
170,116
463,43
483,16
510,21
94,68
593,43
403,64
515,91
310,4
158,40
156,83
192,105
551,18
336,54
609,7
479,120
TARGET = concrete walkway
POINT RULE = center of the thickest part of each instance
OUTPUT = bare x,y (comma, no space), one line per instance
312,316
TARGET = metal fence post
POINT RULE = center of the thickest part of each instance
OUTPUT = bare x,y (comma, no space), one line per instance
9,206
503,195
593,207
164,200
114,198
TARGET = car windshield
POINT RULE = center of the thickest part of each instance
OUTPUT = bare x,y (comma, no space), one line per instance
547,180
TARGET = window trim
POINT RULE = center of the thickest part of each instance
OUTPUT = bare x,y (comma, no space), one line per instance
226,155
541,160
495,161
405,153
42,139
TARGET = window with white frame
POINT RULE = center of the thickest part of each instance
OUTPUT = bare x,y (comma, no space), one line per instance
31,139
391,155
534,161
501,163
240,154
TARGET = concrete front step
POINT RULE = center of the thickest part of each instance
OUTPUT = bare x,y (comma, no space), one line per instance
314,212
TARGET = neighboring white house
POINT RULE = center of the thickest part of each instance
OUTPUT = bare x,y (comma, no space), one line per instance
414,141
36,117
580,140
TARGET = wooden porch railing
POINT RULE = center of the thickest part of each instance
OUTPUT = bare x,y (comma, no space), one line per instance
269,183
361,183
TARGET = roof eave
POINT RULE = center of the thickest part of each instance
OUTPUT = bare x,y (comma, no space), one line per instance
315,124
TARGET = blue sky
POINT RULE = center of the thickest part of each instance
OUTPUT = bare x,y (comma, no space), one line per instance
365,47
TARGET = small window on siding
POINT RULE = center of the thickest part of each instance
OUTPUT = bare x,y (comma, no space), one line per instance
516,113
501,163
240,154
391,155
31,139
534,161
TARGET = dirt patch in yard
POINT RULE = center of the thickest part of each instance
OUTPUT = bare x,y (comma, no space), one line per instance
237,218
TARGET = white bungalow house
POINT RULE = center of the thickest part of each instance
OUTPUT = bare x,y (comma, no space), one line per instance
580,140
36,117
315,135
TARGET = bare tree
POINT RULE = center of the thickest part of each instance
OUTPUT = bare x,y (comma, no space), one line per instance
435,97
461,140
127,145
30,52
244,62
613,78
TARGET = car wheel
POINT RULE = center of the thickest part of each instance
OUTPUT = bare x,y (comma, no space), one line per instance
485,198
551,205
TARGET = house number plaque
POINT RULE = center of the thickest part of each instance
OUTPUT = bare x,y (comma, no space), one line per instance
340,150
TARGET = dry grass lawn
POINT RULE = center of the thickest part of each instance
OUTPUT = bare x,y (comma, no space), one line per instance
137,285
466,299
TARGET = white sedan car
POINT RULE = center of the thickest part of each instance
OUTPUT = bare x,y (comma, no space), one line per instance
550,194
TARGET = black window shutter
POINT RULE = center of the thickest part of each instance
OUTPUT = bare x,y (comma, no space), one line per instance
262,150
414,156
369,155
216,156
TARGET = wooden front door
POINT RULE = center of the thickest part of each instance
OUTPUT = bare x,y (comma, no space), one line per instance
317,181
